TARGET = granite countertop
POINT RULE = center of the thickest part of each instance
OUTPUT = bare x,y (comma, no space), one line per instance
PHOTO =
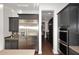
11,38
75,48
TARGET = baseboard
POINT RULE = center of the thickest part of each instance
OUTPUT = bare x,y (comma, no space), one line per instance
55,52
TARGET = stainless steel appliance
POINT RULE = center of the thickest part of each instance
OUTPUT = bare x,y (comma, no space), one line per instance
64,40
64,35
28,33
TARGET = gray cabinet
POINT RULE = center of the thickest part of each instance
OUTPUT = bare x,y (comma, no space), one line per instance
66,16
63,17
7,44
11,44
60,20
73,39
59,24
73,19
69,16
13,24
78,18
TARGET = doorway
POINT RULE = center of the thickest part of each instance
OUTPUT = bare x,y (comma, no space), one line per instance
47,32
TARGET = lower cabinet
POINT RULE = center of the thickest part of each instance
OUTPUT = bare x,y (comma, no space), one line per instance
11,44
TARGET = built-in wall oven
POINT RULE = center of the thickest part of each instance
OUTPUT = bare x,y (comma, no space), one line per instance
64,35
63,49
64,40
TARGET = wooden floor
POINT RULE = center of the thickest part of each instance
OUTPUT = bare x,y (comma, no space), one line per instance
46,48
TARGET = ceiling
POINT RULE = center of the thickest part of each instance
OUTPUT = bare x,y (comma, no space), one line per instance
47,15
22,6
34,7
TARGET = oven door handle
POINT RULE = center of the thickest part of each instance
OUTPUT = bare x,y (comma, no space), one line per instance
63,31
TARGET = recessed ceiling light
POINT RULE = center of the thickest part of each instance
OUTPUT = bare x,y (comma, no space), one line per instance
49,13
22,5
20,11
1,5
12,10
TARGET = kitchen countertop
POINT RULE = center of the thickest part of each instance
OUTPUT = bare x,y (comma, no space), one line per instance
17,52
75,48
9,38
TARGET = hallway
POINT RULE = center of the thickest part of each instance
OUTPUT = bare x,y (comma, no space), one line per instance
46,48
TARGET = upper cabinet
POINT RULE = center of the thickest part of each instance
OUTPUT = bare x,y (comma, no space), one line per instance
78,18
68,17
59,20
63,17
13,24
73,19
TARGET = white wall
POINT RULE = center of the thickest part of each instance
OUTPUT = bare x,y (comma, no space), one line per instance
56,7
8,12
1,28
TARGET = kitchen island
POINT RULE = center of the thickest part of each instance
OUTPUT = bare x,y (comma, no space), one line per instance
17,52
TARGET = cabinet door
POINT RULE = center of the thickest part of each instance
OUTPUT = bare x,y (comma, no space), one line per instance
16,25
73,39
63,17
66,16
73,19
13,24
11,44
59,20
7,44
78,17
10,24
14,44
